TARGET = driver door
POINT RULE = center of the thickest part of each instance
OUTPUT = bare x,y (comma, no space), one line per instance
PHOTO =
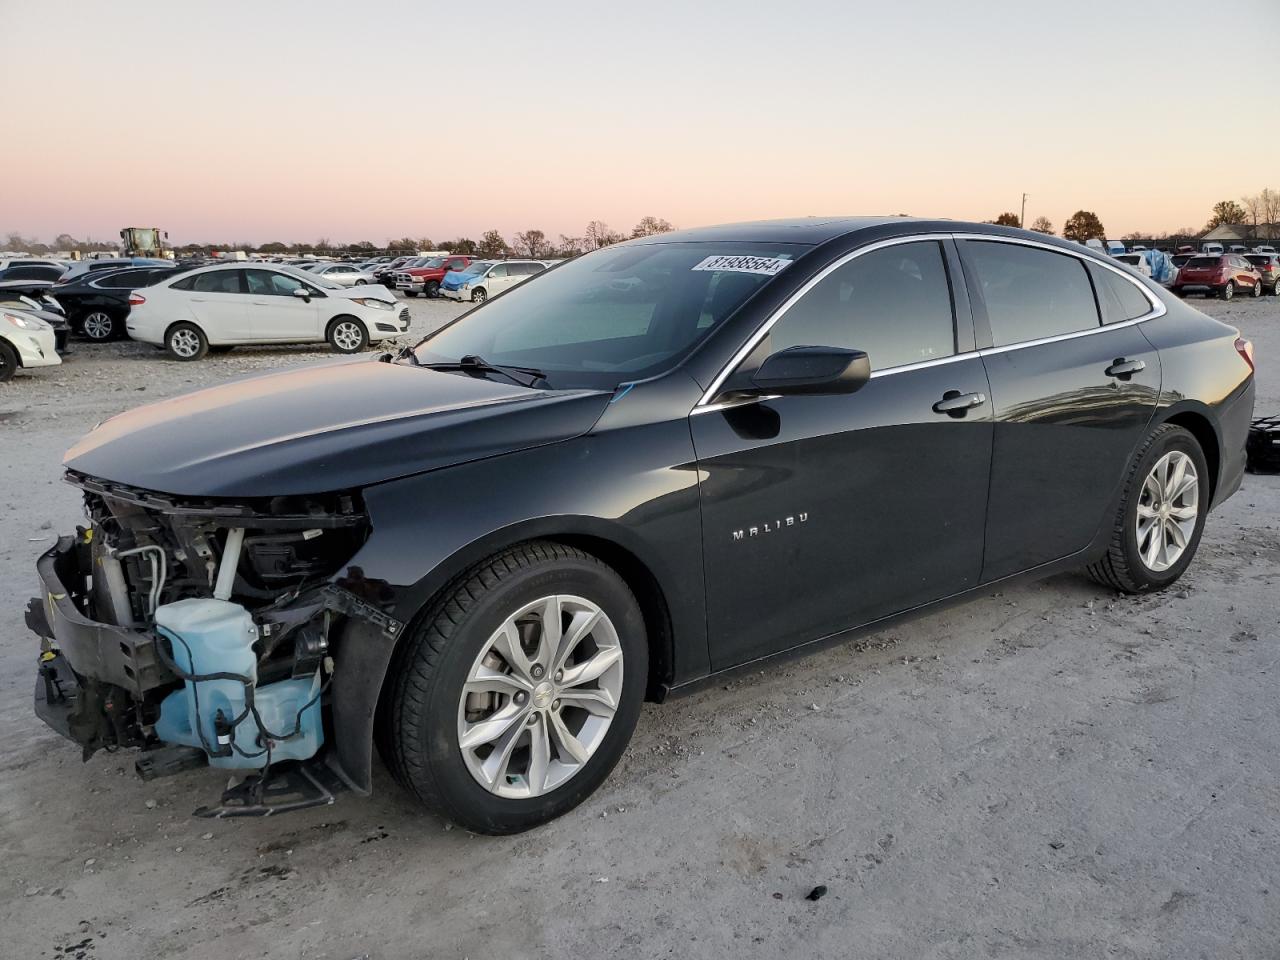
276,312
823,513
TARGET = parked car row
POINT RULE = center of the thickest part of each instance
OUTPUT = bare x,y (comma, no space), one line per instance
1229,274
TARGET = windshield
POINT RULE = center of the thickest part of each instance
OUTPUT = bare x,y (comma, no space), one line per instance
311,277
476,267
619,314
435,263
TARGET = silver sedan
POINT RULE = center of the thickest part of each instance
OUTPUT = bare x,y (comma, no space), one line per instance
346,274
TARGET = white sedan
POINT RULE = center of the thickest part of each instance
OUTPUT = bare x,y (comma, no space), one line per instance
25,341
222,306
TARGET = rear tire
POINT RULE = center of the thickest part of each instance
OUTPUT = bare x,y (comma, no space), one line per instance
347,335
1229,291
1135,563
8,362
429,705
1257,290
100,326
185,341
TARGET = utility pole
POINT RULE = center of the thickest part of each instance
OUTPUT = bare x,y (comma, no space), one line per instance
1022,220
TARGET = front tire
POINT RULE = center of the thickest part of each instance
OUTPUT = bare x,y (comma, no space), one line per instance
347,335
431,290
1162,514
8,362
516,696
479,295
185,341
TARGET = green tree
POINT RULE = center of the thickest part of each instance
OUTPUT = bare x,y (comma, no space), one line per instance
492,244
463,246
1042,225
651,226
1226,211
1084,225
532,243
1007,220
274,246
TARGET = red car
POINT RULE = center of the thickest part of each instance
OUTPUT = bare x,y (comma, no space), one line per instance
425,277
1225,275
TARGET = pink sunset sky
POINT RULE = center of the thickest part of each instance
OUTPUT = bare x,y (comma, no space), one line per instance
293,121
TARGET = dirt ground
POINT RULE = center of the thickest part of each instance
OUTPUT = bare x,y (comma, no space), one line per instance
1049,772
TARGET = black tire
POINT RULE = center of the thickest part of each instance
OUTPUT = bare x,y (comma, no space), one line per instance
8,362
361,283
1229,290
1275,289
341,334
410,293
432,289
185,341
418,718
1257,290
1178,291
101,326
1122,566
479,295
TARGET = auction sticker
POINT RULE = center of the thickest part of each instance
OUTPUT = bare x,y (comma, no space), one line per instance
766,266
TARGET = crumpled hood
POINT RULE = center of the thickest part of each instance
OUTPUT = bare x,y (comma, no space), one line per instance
456,278
325,427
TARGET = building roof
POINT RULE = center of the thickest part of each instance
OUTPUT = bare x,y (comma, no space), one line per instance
1242,232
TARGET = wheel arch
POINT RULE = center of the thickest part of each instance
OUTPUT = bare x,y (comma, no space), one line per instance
1200,424
366,658
191,322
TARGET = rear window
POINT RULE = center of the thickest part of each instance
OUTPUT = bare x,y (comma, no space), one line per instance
1203,263
1031,293
1260,260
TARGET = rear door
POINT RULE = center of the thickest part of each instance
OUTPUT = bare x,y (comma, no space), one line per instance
1072,396
276,312
220,303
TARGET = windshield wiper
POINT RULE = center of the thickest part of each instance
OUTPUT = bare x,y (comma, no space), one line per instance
524,376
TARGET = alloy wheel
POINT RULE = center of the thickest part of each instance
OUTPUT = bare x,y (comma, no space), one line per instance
540,697
1168,508
185,343
99,325
348,336
1229,290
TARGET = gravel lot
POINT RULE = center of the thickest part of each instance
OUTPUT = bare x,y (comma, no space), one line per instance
1050,772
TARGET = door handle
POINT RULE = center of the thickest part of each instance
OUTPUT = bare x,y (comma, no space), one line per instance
261,303
957,404
198,300
1124,369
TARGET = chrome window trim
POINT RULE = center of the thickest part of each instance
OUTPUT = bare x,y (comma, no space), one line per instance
763,330
1158,309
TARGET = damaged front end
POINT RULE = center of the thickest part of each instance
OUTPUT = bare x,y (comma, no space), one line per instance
200,631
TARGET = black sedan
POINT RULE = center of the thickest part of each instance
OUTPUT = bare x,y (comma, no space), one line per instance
662,461
97,302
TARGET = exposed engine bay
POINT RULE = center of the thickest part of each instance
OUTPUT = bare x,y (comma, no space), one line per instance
199,631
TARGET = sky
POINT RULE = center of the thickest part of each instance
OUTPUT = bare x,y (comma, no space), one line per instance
257,121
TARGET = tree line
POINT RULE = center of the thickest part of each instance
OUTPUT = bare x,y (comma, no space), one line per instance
1261,211
531,243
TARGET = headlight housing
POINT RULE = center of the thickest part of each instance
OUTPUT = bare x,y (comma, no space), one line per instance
373,302
26,323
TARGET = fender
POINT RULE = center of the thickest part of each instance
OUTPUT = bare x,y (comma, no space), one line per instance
628,493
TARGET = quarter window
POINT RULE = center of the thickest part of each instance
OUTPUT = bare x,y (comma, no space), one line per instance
894,304
1119,299
1031,293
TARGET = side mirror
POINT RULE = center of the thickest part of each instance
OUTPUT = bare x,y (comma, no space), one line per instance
303,293
812,370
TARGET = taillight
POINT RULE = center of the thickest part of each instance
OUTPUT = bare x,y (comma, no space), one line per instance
136,299
1245,349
